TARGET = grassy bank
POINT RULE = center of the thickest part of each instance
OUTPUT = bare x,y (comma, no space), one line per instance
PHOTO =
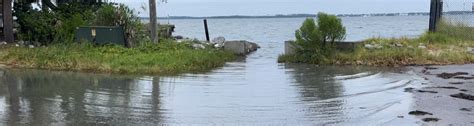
164,58
448,46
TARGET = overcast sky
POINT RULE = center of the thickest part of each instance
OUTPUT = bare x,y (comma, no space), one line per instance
272,7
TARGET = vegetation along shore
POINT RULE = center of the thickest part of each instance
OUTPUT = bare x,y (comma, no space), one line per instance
47,42
451,44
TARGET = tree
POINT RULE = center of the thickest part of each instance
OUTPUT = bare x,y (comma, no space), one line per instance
331,28
315,34
308,36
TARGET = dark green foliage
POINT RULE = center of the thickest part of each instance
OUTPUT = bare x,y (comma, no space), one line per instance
331,28
35,25
311,38
46,26
121,15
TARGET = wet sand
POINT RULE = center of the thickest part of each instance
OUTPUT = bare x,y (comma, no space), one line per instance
447,97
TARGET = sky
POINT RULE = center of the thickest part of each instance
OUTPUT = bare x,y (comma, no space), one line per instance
272,7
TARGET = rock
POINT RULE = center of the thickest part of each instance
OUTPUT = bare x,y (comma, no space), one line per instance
199,46
218,40
21,42
373,46
240,47
31,46
422,47
378,46
218,46
369,46
470,50
398,45
178,37
3,43
17,45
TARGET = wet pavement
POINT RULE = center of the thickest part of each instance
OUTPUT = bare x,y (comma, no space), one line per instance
447,104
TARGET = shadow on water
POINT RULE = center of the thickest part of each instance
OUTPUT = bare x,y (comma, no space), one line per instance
58,98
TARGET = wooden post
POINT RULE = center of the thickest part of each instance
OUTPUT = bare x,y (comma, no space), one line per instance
153,21
206,30
8,21
436,11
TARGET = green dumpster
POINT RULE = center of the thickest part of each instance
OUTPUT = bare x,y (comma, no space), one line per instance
101,35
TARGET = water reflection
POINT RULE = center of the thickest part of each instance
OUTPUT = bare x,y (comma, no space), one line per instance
300,94
58,98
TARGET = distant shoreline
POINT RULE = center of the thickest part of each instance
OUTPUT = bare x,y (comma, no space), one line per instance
314,15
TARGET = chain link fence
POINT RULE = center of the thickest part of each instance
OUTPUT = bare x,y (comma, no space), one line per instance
457,19
459,12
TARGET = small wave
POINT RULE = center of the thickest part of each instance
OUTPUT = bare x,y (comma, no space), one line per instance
347,77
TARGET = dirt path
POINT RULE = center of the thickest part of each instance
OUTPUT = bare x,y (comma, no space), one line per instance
448,98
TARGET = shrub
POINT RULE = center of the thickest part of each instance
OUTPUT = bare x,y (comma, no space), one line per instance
121,15
311,38
35,25
331,28
45,27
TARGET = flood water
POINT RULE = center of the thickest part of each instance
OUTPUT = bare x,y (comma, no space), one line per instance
251,90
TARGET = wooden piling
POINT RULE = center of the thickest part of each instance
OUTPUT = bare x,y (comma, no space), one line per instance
206,30
436,11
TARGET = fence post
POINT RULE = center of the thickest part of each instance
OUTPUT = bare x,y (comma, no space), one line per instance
207,30
436,11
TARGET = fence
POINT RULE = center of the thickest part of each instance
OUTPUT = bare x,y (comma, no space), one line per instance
459,12
453,17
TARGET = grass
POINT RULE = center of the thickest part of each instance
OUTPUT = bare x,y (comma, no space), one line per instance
167,57
447,46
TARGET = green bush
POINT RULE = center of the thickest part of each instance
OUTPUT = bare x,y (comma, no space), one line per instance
46,26
311,38
35,25
121,15
331,28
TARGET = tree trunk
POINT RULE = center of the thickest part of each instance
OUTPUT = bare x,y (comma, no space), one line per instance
8,21
153,21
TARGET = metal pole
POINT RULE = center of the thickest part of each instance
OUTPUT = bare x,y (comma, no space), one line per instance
440,11
8,21
207,30
153,21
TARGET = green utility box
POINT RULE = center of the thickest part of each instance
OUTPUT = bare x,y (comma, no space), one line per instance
101,35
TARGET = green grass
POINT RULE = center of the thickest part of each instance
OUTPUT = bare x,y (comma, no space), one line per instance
164,58
447,46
